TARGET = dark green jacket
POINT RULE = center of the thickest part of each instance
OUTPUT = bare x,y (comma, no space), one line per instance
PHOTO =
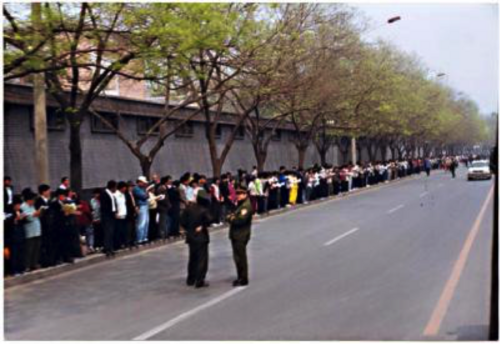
241,222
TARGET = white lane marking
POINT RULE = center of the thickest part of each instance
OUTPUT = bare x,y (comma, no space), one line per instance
423,194
188,314
395,209
334,240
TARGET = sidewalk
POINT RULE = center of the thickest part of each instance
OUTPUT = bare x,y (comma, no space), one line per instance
94,259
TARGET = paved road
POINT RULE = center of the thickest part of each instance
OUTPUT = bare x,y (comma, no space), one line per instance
386,264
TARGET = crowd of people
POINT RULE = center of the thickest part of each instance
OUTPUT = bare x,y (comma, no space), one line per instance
51,227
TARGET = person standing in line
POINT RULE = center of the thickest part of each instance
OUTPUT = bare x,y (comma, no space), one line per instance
95,205
109,211
195,220
32,230
73,209
14,236
84,220
175,209
153,207
224,197
8,193
239,233
216,201
60,222
120,237
252,190
141,196
47,249
164,208
132,211
64,183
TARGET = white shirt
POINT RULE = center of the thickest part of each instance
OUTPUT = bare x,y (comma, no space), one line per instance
9,194
62,186
113,200
121,203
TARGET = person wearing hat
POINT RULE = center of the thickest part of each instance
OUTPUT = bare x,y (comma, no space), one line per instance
141,196
195,220
240,223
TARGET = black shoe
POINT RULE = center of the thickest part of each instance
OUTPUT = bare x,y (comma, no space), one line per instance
201,284
190,283
236,283
243,282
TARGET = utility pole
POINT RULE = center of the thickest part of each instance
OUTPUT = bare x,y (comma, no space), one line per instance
40,109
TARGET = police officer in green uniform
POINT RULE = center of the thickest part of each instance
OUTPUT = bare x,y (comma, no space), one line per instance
195,220
239,232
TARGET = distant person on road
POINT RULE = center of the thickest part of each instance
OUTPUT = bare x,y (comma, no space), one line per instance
453,166
427,166
195,220
239,232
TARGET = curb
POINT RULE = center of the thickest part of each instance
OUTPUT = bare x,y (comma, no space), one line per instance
95,259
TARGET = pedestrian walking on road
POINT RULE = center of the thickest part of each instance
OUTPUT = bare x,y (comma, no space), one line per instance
195,220
427,166
239,232
453,167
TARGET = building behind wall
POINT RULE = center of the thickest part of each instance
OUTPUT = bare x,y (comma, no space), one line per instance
106,157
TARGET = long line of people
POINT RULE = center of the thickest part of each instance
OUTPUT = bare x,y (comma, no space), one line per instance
48,228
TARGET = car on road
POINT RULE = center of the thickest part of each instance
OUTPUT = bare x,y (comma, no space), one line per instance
479,169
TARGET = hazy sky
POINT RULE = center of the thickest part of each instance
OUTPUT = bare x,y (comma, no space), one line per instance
460,40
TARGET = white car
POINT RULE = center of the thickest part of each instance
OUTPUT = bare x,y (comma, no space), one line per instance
479,169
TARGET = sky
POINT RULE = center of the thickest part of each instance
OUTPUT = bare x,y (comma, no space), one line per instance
460,40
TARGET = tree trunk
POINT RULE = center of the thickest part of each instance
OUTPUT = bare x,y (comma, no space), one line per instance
146,167
322,156
302,155
40,113
261,162
260,156
75,162
383,151
217,168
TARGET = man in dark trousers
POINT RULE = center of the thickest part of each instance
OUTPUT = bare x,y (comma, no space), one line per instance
48,250
239,232
195,220
59,221
453,166
108,217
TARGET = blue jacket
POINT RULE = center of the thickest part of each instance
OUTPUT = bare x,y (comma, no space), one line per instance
141,196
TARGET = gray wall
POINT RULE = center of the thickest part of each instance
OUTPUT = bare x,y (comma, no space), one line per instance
106,157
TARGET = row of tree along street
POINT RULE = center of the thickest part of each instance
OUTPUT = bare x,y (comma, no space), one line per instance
269,64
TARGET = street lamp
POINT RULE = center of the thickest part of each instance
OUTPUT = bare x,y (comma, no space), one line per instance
393,19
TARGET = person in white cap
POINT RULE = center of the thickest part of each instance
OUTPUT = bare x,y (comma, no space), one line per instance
141,196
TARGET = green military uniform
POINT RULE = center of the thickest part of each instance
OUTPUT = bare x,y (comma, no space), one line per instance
239,233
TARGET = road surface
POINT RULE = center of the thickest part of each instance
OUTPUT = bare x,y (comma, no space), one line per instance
407,261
